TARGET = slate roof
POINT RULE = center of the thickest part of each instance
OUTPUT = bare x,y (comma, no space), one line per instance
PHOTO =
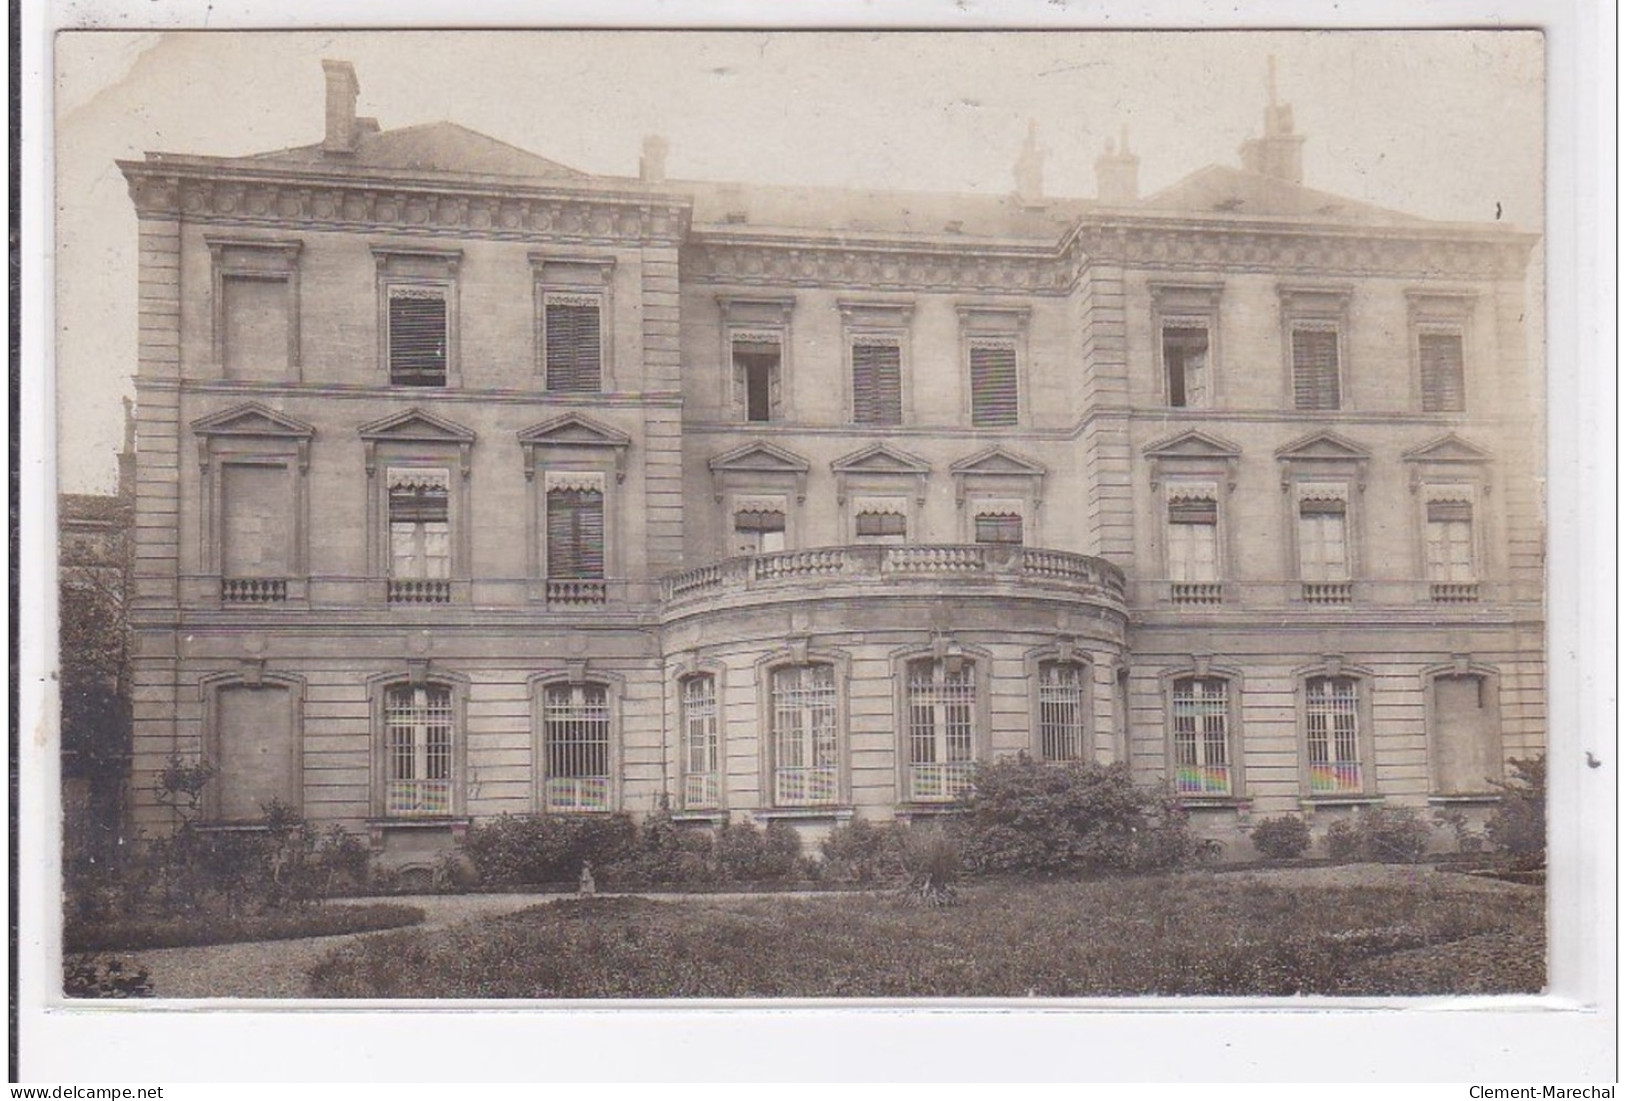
433,147
1223,190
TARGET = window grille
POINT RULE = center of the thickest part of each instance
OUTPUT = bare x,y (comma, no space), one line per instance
1444,387
575,736
573,344
701,748
417,336
993,384
1332,714
941,728
1314,368
418,734
1185,358
1060,711
998,527
805,735
877,383
1201,736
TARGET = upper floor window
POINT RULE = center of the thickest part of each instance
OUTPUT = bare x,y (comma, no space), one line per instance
1332,735
418,734
1323,543
702,744
880,520
1315,320
1061,711
1185,322
418,314
256,307
1193,540
759,524
942,722
756,366
418,510
805,735
1439,323
1201,736
574,559
993,382
575,747
994,524
572,308
877,380
756,340
1451,571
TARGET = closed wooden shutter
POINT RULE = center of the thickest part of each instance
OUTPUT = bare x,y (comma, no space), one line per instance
575,534
1443,384
877,384
417,339
993,385
881,524
573,347
998,527
1314,369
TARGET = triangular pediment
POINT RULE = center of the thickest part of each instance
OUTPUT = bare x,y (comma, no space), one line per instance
252,419
573,430
996,460
417,426
1449,448
759,458
879,458
1324,446
1193,445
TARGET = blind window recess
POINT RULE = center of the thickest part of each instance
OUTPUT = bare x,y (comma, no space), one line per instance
1315,368
417,336
993,384
877,383
573,343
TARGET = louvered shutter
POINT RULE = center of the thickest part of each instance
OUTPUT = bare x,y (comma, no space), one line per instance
417,339
1314,369
998,527
575,534
573,347
881,524
1443,385
993,385
877,384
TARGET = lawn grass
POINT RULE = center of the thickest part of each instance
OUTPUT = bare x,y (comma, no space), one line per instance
1164,935
188,930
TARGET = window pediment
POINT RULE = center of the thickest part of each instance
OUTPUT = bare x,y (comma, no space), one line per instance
759,464
880,463
996,466
252,419
574,431
1449,448
417,427
1193,452
1323,453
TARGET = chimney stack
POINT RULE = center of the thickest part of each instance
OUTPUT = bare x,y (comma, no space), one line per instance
342,89
1030,170
1117,173
652,165
1279,153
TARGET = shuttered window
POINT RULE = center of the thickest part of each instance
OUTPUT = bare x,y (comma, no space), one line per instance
417,336
1314,368
877,383
1193,543
1185,358
575,534
998,527
1450,541
1443,383
419,528
993,400
574,345
881,525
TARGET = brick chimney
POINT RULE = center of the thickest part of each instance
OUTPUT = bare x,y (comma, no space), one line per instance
342,132
1279,153
1030,170
652,165
1117,173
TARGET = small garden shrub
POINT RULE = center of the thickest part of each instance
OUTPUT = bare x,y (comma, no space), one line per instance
1283,838
1079,818
665,853
745,853
1517,829
931,859
514,851
863,853
1385,835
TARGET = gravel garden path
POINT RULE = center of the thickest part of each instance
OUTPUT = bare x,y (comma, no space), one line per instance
276,969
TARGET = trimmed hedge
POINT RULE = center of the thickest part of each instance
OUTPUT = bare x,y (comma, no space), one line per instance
132,934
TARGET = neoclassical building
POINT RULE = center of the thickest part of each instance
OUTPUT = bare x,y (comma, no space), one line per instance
470,484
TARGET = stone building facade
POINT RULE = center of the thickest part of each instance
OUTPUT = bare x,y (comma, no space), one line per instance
471,484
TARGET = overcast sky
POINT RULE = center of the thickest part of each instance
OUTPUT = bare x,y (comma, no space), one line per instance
1444,124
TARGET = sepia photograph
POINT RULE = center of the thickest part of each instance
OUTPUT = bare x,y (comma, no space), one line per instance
555,516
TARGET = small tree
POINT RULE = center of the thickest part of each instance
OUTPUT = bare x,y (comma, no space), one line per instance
1518,826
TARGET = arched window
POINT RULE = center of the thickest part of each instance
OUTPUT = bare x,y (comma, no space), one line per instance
702,743
805,733
419,736
942,727
576,773
1062,714
1201,737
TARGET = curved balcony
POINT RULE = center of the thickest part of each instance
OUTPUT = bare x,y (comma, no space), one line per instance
864,570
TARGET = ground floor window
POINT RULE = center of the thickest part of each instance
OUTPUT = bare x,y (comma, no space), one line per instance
1202,736
419,730
575,746
1333,735
941,728
805,735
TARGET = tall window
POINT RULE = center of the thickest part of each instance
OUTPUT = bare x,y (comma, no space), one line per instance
759,527
1450,569
417,336
575,747
1444,385
1323,544
1185,360
419,536
1315,383
756,369
573,342
806,765
1060,711
1201,736
702,780
1193,545
877,381
993,386
418,739
1331,712
941,728
998,527
575,540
